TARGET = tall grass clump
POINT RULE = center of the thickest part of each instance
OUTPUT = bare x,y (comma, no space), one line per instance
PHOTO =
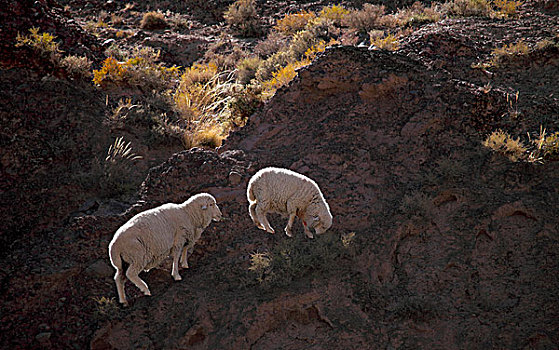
203,102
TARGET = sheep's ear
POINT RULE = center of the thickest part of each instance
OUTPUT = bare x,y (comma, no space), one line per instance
204,206
315,218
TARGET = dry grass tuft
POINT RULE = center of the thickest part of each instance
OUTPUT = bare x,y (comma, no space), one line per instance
153,21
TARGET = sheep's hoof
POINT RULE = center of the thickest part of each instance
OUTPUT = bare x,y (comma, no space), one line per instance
288,233
309,234
271,231
177,278
147,294
184,266
124,303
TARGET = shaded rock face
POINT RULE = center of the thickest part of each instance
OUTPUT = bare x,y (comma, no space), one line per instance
454,247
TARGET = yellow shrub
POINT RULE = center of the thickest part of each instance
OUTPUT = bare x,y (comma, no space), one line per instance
507,8
389,43
141,70
43,43
111,70
281,77
204,134
198,73
294,22
505,144
335,13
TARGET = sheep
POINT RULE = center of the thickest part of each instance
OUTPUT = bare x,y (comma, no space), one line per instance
283,191
151,236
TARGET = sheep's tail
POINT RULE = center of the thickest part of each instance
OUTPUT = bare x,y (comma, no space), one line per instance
252,204
250,193
116,259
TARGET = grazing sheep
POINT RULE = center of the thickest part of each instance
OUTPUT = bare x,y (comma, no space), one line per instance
151,236
282,191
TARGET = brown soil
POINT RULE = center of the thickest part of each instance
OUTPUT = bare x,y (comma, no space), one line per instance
454,246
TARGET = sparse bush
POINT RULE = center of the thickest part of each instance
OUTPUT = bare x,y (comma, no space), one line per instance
77,66
418,14
142,70
153,20
544,146
294,258
539,149
117,169
224,55
470,8
260,265
507,8
507,52
294,22
272,64
301,42
365,19
243,17
244,103
246,70
198,73
42,43
106,308
389,43
335,13
275,42
505,144
279,78
209,135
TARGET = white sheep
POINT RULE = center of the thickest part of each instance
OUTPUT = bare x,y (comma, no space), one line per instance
283,191
151,236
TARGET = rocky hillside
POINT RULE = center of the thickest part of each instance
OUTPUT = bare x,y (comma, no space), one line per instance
437,241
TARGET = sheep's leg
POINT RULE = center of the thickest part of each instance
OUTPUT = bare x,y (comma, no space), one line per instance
253,216
132,274
175,270
119,281
289,224
308,232
261,215
187,250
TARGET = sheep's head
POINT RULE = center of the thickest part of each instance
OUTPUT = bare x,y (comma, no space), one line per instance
319,218
209,206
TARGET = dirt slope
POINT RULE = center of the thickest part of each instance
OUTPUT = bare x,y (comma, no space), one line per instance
453,246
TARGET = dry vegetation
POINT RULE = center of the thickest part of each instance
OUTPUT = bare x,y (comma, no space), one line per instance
218,93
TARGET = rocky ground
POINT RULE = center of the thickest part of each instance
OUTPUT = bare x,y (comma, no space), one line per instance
437,242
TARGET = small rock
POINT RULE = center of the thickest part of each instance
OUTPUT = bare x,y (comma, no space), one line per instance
99,269
43,337
234,178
